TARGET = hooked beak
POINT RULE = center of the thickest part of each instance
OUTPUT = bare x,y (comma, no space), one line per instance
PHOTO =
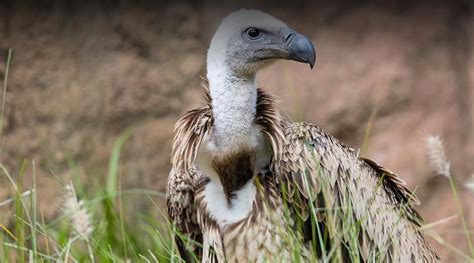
299,47
289,45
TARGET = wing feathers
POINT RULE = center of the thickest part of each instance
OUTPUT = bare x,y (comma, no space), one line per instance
395,183
356,190
183,179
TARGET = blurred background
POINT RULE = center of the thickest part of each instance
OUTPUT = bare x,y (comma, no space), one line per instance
82,72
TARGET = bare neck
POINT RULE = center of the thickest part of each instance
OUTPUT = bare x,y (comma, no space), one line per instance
234,102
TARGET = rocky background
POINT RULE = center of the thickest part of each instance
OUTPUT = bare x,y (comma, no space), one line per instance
82,72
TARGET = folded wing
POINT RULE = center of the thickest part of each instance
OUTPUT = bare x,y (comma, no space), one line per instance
319,174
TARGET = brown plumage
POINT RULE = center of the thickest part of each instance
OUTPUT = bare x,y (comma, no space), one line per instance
313,168
248,186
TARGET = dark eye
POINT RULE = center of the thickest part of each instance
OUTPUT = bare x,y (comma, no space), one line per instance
254,33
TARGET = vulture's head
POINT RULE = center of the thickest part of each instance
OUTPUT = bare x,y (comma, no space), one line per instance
247,40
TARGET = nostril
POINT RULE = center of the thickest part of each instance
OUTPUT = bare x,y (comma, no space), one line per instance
287,34
289,37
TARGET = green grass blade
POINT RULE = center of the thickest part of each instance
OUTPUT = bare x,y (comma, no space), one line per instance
33,213
115,159
5,82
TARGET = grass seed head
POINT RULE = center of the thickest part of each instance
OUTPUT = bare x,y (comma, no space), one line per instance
436,156
78,214
470,184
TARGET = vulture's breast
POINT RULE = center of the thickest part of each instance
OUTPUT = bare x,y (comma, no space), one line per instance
245,202
228,190
263,236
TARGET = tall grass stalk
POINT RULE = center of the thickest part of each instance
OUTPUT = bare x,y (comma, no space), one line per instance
368,130
461,215
33,201
4,93
115,159
438,161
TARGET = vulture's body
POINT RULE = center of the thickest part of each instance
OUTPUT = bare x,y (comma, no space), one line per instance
250,186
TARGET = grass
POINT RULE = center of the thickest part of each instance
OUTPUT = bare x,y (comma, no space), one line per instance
94,224
92,230
115,238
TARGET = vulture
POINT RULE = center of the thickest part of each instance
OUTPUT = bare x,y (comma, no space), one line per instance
247,185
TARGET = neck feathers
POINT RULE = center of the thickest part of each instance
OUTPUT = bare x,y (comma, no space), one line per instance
199,123
234,105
